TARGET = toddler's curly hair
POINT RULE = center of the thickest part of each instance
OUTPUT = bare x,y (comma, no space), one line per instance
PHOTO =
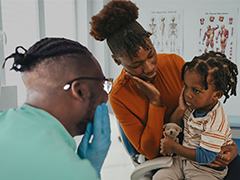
215,64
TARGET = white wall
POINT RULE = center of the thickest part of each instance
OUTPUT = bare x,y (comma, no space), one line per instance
8,97
189,32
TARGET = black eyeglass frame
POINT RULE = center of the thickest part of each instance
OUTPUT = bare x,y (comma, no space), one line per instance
68,85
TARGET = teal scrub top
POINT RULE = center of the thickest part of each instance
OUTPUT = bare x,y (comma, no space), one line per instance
35,146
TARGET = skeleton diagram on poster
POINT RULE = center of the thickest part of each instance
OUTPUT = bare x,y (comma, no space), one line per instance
166,29
217,31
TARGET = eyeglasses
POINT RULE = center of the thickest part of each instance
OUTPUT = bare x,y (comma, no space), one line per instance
107,85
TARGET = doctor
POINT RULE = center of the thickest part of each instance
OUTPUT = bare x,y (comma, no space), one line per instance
64,99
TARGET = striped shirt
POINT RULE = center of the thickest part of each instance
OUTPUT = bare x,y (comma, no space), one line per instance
211,132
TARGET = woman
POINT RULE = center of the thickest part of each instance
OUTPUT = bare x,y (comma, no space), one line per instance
146,92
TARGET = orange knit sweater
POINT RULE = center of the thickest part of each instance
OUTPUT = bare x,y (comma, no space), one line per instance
141,121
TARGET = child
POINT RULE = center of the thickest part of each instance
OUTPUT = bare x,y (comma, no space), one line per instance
206,79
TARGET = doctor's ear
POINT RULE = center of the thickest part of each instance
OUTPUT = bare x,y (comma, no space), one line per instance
117,61
79,90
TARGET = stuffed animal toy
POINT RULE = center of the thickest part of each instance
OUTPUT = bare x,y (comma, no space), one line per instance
172,130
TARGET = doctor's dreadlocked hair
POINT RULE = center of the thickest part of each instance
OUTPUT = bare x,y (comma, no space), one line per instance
223,71
43,49
116,23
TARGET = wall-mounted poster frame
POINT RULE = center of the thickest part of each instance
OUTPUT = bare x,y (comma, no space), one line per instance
217,31
166,28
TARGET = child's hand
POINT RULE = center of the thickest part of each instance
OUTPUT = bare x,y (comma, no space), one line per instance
182,104
167,145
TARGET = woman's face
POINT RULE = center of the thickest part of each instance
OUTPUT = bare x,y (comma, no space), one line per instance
142,66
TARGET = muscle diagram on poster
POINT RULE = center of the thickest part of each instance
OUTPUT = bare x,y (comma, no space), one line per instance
217,30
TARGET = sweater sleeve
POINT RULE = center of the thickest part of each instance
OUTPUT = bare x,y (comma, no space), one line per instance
144,137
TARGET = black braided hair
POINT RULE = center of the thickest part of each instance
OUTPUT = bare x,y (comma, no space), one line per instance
43,49
223,71
116,23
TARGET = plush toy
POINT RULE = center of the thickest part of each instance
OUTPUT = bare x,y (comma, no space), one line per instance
172,130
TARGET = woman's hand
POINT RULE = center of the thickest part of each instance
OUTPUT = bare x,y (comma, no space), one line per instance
225,156
148,89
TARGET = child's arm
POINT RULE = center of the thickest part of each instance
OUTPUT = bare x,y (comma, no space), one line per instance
200,155
168,146
177,115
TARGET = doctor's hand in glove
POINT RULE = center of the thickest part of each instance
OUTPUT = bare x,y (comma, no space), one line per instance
96,150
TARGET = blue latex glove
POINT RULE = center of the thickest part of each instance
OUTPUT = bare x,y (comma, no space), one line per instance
96,150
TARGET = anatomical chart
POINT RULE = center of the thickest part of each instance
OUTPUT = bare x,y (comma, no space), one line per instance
166,29
217,31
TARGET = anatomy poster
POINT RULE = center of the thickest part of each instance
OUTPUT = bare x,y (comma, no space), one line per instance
166,29
217,31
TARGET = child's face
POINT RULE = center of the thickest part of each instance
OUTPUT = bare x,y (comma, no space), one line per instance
195,96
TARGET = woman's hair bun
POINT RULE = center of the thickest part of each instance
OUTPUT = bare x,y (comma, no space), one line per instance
113,16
